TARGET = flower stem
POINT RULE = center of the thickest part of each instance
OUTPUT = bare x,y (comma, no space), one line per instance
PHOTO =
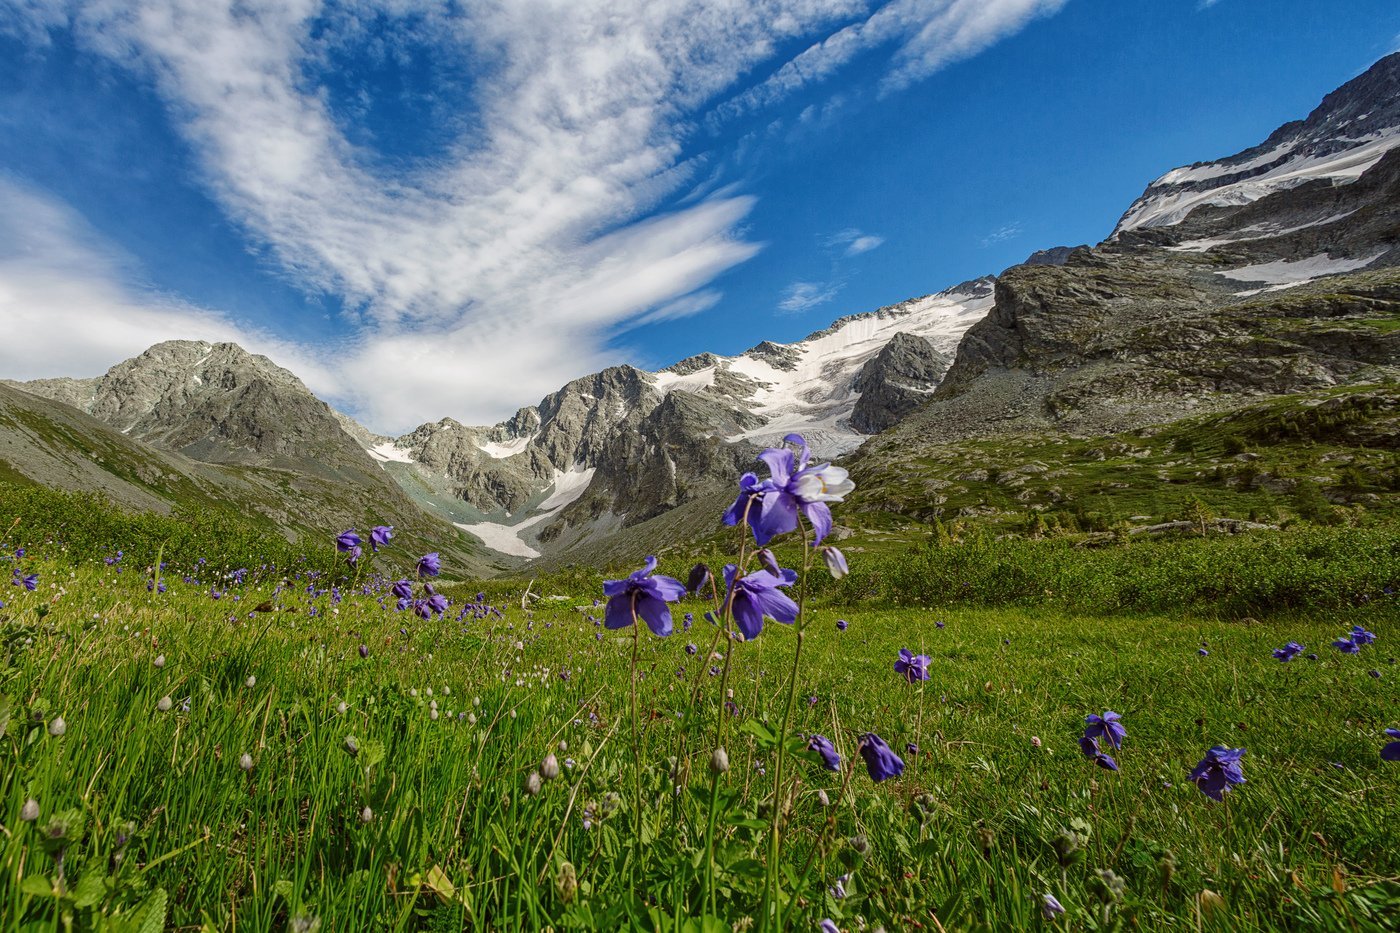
770,889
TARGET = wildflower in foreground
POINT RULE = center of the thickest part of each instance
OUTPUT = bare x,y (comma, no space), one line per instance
1050,908
429,565
1361,636
822,746
1106,727
1288,652
914,667
645,596
1218,771
842,625
880,759
793,487
757,595
835,562
1391,752
1089,745
347,541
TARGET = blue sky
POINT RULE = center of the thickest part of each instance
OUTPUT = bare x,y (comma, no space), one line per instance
432,209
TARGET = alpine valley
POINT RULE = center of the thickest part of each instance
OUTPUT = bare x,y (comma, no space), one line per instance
1235,340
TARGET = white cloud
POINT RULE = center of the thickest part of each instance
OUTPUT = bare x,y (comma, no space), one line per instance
803,296
487,276
1003,233
853,242
71,305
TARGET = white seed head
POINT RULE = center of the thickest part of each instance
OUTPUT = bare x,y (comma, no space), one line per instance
549,768
58,726
251,681
245,761
164,704
30,811
563,746
366,815
159,661
719,761
432,714
341,707
532,784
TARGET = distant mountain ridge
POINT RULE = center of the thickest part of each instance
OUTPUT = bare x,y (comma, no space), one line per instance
1201,298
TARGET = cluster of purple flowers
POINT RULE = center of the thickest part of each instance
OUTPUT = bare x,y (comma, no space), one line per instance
30,581
1355,641
1289,651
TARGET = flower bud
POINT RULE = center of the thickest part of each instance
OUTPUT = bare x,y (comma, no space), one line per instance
245,761
549,768
159,661
30,811
566,882
532,784
58,726
164,704
719,761
366,815
250,682
351,746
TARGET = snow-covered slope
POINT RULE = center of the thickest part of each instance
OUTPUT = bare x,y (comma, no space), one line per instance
809,386
1348,133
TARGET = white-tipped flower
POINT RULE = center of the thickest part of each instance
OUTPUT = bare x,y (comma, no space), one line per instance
719,761
30,811
549,768
58,726
159,661
245,761
165,704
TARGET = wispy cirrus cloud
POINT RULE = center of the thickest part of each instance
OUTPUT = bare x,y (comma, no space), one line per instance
853,242
1007,231
804,296
485,276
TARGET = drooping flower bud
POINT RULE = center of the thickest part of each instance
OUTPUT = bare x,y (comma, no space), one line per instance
719,761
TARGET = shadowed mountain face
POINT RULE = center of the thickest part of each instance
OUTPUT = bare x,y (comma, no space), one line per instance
1263,274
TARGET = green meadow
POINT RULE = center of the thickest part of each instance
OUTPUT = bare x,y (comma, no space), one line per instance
298,754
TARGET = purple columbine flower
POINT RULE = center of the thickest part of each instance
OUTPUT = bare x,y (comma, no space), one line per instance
1050,908
757,595
793,487
29,581
940,624
364,651
1089,745
835,562
1391,752
1288,652
437,603
429,565
914,667
880,759
646,596
1348,645
347,541
1219,771
379,536
1361,636
691,648
1105,727
828,926
842,625
822,746
403,589
699,577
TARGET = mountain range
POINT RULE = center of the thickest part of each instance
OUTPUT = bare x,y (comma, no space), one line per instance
1266,274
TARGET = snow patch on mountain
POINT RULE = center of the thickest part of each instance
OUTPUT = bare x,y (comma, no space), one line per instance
506,538
1284,272
388,452
1176,194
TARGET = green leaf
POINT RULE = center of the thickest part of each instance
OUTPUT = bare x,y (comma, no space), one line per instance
7,707
152,912
37,886
765,736
371,754
91,889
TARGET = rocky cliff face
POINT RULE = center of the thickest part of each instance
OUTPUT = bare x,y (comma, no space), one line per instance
897,380
1208,306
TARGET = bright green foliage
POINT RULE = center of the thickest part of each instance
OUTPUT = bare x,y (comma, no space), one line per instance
423,822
